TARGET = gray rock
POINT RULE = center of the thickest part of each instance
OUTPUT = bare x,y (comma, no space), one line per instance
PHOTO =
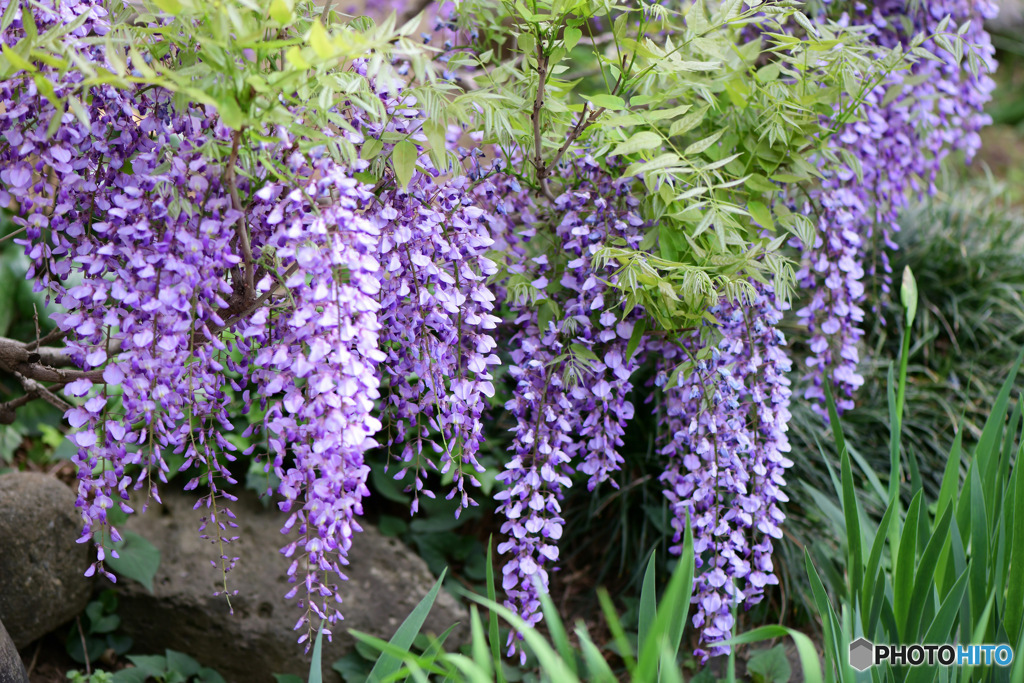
12,670
41,566
385,581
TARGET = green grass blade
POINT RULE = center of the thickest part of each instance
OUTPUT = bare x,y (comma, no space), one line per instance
940,630
494,634
833,419
903,576
1017,673
648,605
924,585
598,669
546,655
1015,577
681,590
618,633
472,670
895,427
874,562
670,672
830,624
556,629
316,668
855,560
403,655
670,619
805,649
979,564
388,664
951,476
481,655
987,451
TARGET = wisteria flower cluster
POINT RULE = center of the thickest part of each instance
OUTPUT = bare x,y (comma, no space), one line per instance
572,375
726,446
897,145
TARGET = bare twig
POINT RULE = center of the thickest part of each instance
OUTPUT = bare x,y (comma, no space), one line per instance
13,234
241,230
538,104
34,388
85,650
54,335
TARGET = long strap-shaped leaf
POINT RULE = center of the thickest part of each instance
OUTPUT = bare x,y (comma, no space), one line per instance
388,664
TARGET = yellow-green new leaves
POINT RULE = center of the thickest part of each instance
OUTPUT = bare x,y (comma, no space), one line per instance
638,142
281,11
403,157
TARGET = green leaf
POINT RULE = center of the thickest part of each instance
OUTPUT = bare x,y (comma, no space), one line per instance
805,648
172,7
556,629
940,630
760,213
281,12
637,142
903,581
606,101
770,666
404,159
151,665
387,665
688,122
851,512
352,668
492,620
571,36
182,663
319,40
316,668
435,131
701,145
648,604
639,328
1015,577
138,559
16,60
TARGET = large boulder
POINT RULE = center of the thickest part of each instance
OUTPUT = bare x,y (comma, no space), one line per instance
385,581
12,670
42,582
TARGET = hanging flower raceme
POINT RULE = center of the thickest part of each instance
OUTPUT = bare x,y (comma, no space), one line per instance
321,354
892,153
436,311
570,364
725,440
